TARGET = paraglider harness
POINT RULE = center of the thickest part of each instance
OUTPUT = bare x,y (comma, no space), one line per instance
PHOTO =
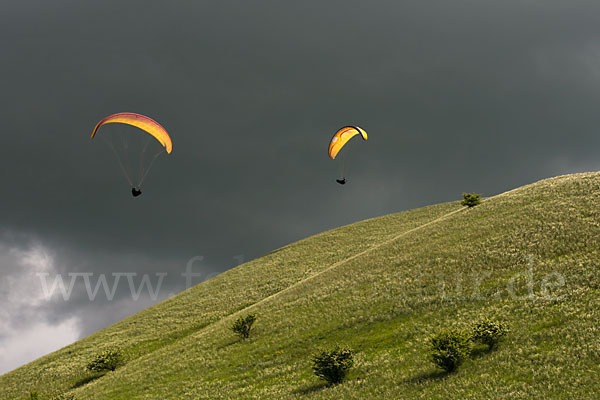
135,192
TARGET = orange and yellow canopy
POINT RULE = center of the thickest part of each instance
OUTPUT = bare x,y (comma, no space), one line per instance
342,136
139,121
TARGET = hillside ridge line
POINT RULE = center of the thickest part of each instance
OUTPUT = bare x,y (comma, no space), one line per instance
357,255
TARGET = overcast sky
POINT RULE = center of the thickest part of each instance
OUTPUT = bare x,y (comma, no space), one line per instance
456,96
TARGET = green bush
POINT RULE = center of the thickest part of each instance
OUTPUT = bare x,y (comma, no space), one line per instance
33,395
489,332
108,360
471,199
449,348
243,325
333,365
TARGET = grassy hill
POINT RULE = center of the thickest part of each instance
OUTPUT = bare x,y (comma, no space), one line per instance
528,257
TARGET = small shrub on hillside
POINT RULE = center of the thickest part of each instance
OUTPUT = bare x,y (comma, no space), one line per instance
33,395
471,199
333,365
108,360
243,325
449,348
489,332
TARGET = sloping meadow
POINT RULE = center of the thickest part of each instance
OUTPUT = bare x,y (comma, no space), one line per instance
527,257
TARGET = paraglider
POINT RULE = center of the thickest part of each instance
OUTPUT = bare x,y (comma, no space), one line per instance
339,140
136,148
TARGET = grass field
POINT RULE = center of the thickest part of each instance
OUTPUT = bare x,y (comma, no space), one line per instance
528,257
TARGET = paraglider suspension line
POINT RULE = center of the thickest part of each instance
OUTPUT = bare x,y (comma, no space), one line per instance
123,169
128,164
148,169
342,164
141,171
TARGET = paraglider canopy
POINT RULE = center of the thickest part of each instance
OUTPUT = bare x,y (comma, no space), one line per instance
146,124
338,141
136,142
342,137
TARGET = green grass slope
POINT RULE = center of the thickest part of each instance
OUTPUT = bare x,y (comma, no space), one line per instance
528,257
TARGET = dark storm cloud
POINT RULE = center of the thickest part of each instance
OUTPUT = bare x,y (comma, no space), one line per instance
456,96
